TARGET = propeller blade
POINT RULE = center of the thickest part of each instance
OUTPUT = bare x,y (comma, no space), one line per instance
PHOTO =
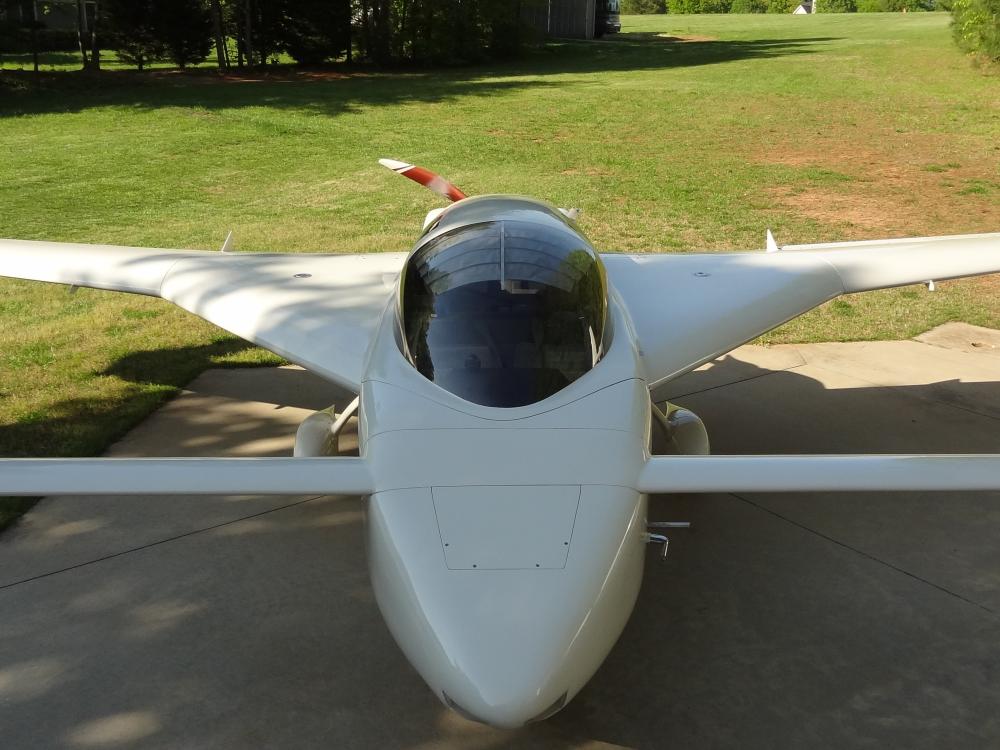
425,177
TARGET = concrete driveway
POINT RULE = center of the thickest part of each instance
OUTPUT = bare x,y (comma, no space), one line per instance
834,620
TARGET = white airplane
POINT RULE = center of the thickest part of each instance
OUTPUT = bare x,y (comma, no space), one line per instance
507,375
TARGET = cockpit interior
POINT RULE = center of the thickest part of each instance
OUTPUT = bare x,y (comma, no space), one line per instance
504,313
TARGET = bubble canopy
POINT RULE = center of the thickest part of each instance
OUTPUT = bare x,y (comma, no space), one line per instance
504,313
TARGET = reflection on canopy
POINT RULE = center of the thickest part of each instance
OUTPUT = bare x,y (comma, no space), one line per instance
504,313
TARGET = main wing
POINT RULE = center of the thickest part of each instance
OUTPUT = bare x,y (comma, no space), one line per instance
688,309
319,311
354,476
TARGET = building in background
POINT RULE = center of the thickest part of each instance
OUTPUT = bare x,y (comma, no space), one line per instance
572,19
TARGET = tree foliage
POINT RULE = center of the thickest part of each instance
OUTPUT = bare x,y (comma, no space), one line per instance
256,33
642,7
976,27
438,31
699,6
748,6
894,6
314,31
131,31
141,31
835,6
184,28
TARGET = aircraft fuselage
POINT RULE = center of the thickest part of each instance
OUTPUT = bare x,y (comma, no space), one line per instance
506,544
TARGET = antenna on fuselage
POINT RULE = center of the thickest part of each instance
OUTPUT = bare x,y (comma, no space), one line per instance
772,244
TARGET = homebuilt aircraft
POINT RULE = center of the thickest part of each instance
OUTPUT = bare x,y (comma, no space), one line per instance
508,379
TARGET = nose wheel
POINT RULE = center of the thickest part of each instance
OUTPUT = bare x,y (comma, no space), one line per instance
655,538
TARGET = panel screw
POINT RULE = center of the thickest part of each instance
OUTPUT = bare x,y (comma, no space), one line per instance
302,276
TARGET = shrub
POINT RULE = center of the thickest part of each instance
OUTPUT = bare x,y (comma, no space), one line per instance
141,31
781,6
639,7
976,27
749,6
836,6
184,27
131,31
698,6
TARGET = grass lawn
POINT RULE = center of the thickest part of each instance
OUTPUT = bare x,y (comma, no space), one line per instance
685,132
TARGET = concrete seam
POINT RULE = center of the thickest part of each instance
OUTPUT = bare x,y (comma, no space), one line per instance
158,542
864,554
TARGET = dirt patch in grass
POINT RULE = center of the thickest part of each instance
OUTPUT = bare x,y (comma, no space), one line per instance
662,37
276,75
687,38
905,186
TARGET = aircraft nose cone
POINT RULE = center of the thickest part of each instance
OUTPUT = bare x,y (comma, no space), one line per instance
505,673
506,627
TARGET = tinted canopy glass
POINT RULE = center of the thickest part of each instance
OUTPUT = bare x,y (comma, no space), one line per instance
504,313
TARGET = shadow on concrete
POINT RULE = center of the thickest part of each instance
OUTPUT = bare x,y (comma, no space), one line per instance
338,89
820,621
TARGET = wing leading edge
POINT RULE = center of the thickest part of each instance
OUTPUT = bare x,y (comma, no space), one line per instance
319,311
353,476
688,309
830,473
185,476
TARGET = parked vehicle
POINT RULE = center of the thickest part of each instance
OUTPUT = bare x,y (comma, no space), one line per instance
607,19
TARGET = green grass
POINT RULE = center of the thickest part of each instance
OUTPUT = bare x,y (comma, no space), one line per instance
683,133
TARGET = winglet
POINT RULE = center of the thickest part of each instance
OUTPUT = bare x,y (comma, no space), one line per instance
425,177
227,246
772,245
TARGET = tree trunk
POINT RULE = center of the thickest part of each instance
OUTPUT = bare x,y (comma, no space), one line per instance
350,30
220,38
95,47
34,35
248,32
81,30
366,31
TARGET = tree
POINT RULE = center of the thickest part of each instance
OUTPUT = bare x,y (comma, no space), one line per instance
313,31
184,29
132,30
219,32
976,27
